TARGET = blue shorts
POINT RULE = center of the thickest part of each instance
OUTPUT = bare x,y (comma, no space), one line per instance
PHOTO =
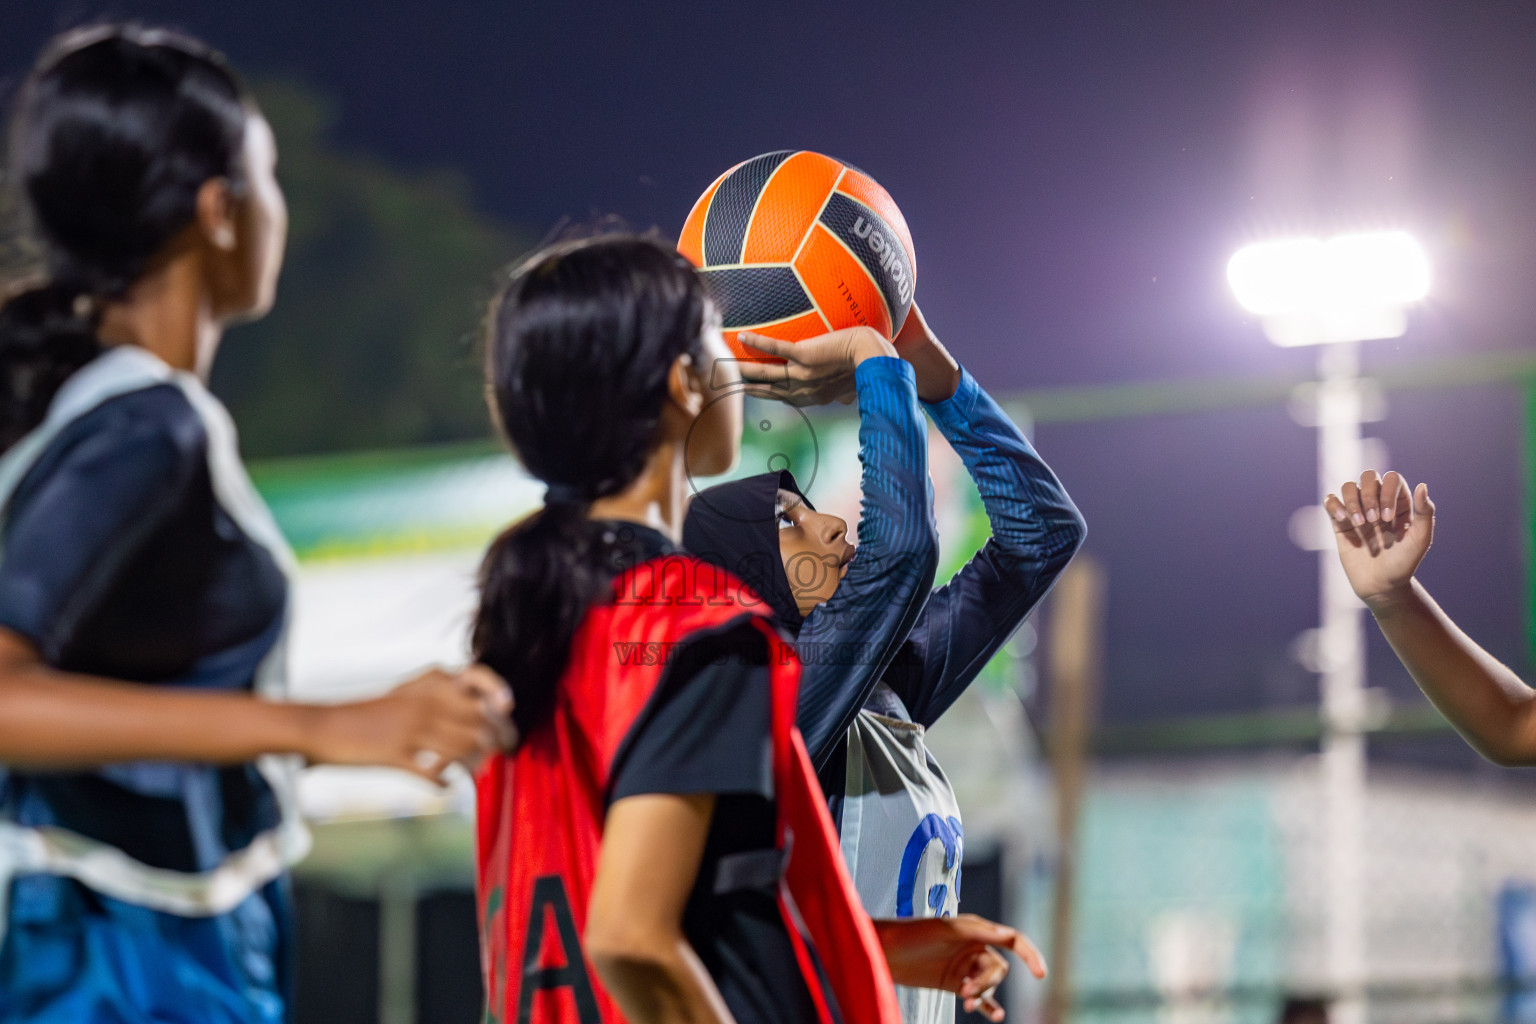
73,956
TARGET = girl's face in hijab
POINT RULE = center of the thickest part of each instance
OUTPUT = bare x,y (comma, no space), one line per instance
815,549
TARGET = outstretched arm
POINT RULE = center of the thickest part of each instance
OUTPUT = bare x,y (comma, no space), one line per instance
59,720
1383,530
1036,529
66,546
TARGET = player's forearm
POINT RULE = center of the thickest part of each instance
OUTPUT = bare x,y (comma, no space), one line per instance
898,540
1486,702
660,981
910,961
653,844
52,719
1027,506
937,372
893,456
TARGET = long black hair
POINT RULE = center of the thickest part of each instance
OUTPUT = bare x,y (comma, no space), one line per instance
113,134
580,344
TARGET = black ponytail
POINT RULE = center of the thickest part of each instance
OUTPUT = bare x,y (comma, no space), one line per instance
114,132
46,334
581,342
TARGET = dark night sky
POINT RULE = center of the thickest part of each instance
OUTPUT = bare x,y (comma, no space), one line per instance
1075,177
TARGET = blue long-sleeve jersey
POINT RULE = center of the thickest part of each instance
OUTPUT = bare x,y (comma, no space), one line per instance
936,645
847,643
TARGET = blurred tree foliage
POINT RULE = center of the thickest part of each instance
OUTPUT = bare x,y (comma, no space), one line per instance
374,339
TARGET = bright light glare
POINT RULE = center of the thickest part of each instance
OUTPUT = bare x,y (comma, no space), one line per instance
1349,288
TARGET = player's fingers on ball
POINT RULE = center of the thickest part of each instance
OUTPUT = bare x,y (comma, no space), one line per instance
761,342
763,369
1370,495
764,377
795,353
1351,495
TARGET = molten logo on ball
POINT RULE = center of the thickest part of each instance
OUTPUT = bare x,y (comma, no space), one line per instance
886,251
796,244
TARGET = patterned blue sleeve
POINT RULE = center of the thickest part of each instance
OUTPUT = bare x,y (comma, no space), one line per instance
1035,532
846,643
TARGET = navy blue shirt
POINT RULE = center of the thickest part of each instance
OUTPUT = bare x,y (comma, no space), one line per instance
119,562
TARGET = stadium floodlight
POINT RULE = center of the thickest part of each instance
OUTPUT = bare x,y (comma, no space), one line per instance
1334,294
1308,291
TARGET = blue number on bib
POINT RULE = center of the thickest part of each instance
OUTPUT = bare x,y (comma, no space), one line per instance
946,831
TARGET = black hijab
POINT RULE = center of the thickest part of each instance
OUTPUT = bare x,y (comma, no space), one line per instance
735,526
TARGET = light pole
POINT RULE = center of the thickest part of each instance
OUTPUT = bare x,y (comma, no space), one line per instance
1335,294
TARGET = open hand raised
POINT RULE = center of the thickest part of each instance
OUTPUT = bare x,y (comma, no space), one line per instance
1383,530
